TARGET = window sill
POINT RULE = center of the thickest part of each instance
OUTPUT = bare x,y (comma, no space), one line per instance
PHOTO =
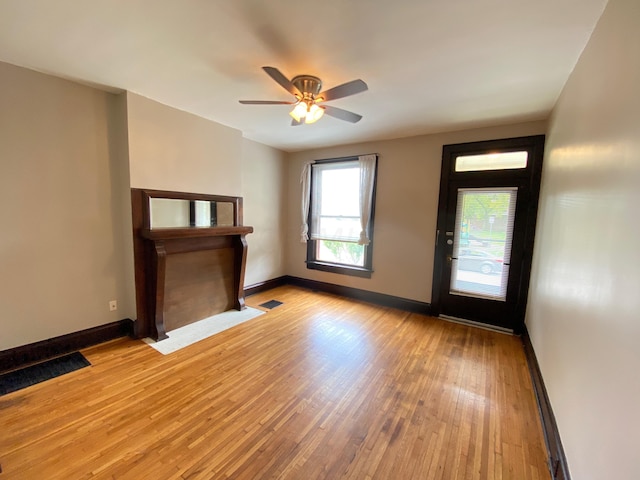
340,269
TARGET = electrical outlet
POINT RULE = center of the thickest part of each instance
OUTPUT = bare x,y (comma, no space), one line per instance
113,305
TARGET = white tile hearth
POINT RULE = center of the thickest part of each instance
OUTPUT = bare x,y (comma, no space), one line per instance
194,332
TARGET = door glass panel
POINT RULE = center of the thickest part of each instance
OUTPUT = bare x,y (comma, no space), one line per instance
482,242
491,161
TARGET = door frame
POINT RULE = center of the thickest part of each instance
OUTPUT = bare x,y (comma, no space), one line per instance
528,178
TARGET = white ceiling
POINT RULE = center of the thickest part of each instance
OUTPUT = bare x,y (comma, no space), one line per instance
431,65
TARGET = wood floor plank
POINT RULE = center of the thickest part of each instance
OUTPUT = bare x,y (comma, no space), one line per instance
320,387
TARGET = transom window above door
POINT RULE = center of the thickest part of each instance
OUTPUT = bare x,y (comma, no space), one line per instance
491,161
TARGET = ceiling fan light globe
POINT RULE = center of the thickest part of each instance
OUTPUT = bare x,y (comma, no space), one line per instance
299,112
315,113
294,115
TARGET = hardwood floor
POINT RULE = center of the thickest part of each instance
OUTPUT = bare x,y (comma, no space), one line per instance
320,387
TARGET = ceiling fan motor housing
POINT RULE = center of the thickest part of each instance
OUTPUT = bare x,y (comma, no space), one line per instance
308,85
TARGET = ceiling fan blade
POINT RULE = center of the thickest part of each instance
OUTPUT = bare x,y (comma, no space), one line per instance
282,80
342,114
295,123
344,90
265,102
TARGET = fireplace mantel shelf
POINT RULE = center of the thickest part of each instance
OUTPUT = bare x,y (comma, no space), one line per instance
193,232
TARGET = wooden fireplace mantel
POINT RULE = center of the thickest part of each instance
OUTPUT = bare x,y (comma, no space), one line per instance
186,274
169,241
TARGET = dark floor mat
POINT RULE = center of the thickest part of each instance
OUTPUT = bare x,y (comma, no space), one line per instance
18,379
271,304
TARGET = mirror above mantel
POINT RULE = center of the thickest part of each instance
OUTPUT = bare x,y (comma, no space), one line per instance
180,213
165,209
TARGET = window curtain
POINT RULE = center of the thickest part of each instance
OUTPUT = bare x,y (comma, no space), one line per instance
367,177
305,180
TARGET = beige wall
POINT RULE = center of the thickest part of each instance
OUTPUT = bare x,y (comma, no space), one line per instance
174,150
584,306
70,155
62,258
121,204
406,209
265,192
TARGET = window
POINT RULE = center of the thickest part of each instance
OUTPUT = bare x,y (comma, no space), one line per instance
491,161
340,204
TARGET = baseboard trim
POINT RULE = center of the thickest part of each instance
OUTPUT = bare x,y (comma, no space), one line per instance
557,461
53,347
364,295
264,286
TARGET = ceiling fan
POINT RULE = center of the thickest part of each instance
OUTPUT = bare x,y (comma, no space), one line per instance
306,89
